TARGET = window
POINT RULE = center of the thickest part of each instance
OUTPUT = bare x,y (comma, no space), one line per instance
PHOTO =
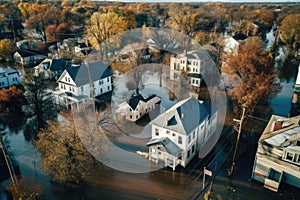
197,82
167,132
140,114
101,90
188,154
156,132
193,80
179,140
81,89
100,82
69,80
189,141
202,126
64,87
66,78
130,116
289,156
136,116
174,134
70,88
61,86
107,79
193,148
108,88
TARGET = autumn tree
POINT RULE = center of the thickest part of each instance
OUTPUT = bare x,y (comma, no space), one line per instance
7,48
184,20
249,74
62,31
290,31
11,98
102,26
51,33
40,103
27,189
64,156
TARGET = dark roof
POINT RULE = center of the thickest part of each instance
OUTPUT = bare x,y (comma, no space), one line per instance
27,53
239,36
169,145
58,64
133,101
79,74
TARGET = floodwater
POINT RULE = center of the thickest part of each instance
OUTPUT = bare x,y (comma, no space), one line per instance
107,183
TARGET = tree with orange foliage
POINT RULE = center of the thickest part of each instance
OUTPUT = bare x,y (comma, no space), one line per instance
11,99
250,74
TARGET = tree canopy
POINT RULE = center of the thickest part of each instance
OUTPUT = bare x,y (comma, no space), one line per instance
290,31
250,74
64,156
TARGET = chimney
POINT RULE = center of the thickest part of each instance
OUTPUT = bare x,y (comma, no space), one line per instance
277,125
185,52
182,115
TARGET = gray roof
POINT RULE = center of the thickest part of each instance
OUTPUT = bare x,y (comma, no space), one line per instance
197,54
169,145
183,117
7,70
79,74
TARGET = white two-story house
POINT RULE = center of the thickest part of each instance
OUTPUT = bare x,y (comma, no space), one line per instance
190,63
9,77
277,159
74,83
138,106
179,133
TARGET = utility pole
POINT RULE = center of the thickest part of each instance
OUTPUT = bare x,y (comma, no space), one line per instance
10,169
237,140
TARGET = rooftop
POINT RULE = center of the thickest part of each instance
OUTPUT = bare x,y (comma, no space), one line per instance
183,117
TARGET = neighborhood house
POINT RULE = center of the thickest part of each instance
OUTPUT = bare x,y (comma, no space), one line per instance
138,106
277,159
190,63
74,83
9,77
179,133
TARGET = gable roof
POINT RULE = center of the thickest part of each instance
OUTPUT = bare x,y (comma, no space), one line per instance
79,74
183,117
169,145
133,101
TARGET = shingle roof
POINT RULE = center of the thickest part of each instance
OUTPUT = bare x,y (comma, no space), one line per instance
169,145
79,74
188,114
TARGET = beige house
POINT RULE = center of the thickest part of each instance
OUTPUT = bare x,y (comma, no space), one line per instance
138,106
277,159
